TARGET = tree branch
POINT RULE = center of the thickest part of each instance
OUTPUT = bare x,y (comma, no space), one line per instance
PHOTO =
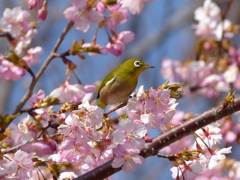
170,136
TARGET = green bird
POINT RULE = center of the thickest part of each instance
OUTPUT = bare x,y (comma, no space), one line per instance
118,85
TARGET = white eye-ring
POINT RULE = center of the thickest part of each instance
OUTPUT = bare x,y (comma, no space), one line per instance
137,63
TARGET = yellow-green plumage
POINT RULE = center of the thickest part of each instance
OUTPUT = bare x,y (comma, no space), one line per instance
121,82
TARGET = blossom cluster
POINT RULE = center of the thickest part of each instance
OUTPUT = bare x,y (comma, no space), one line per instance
81,141
208,74
83,13
210,24
200,76
20,30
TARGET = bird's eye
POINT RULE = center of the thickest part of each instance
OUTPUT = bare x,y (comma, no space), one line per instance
137,63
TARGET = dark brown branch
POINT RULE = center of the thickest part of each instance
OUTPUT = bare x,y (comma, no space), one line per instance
170,136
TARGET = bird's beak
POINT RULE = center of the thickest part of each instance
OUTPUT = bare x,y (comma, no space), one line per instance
148,66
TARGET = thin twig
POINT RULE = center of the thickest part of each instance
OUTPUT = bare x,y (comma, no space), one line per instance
14,149
116,108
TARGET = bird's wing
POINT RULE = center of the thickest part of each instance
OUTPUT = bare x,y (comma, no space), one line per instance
108,80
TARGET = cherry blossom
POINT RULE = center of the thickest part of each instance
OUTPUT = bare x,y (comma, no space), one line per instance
152,110
127,156
82,15
36,97
24,41
187,171
15,21
134,6
34,4
210,135
116,45
33,56
128,131
28,128
209,160
9,71
73,127
71,92
118,16
91,115
82,123
74,151
199,74
22,165
41,148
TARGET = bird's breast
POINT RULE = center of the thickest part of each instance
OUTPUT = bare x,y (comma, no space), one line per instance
117,91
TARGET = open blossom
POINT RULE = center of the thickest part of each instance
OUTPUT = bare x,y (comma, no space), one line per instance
209,11
9,71
91,115
187,171
82,15
22,165
36,97
73,127
71,92
127,156
82,123
209,160
128,131
116,45
28,129
118,15
134,6
15,21
211,135
33,56
25,40
152,109
75,151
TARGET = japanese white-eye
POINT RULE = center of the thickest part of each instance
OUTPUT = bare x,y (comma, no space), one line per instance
118,85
